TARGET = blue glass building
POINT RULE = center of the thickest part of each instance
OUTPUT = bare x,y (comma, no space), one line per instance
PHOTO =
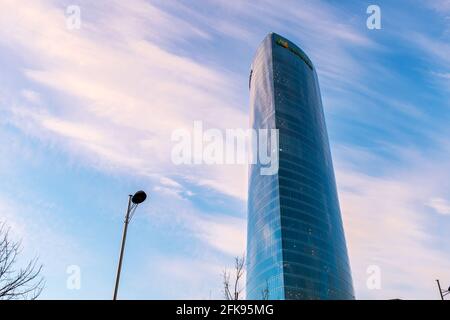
296,246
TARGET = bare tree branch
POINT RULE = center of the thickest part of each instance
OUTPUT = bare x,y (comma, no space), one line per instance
236,294
22,283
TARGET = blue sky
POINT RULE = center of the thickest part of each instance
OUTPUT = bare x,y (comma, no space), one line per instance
86,117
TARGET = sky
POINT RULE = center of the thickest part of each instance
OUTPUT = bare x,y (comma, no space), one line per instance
86,117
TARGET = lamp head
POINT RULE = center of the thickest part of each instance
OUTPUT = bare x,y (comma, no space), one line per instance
139,197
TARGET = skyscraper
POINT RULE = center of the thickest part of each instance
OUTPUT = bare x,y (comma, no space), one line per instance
296,246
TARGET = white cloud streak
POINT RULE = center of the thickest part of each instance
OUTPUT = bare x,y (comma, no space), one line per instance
388,222
440,205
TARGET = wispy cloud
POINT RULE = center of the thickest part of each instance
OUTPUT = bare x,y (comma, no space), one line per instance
214,230
388,213
382,221
441,206
118,92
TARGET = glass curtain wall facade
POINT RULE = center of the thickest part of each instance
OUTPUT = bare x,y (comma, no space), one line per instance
296,246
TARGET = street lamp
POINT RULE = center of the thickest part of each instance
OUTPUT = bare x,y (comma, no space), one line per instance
133,202
443,293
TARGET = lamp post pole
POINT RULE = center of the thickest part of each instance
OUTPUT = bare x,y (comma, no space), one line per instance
122,248
440,290
443,293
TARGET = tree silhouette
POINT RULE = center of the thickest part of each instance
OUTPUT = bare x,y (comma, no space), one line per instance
17,283
232,289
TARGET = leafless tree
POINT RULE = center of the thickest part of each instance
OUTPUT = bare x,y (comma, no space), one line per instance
21,283
232,288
